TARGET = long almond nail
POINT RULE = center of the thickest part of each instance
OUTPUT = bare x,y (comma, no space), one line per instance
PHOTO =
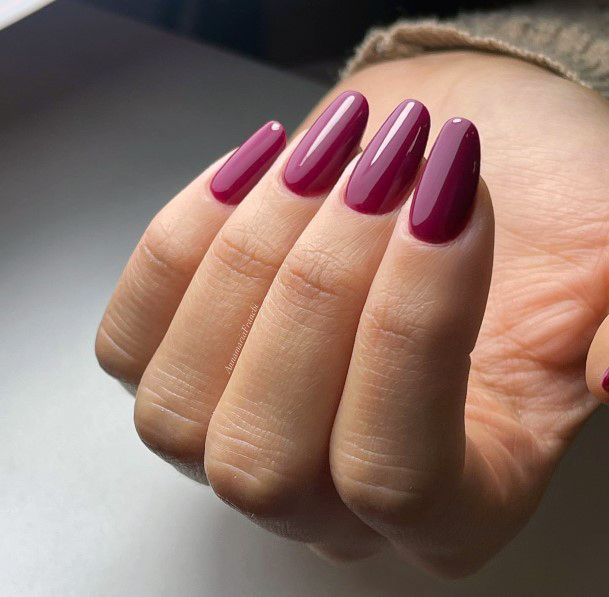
386,170
328,145
443,199
248,164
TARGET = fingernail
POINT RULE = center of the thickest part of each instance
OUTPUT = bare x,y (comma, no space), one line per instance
388,166
605,382
328,145
443,199
240,173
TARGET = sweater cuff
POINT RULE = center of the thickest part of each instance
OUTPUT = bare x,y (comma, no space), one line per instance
570,41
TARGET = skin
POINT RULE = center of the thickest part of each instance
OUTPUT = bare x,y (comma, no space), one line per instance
397,442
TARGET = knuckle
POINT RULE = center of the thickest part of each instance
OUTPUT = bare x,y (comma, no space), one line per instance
162,253
385,492
239,251
381,325
314,281
260,496
384,504
247,468
115,354
417,324
172,422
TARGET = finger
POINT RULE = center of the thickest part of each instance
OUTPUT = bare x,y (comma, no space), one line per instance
398,446
189,371
164,261
597,363
267,447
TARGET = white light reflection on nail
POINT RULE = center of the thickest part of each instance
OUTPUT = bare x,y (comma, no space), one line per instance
340,112
393,130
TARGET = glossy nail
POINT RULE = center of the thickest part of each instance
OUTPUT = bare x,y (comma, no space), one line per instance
328,145
443,199
384,173
248,164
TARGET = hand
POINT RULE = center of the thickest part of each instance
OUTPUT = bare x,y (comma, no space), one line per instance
405,466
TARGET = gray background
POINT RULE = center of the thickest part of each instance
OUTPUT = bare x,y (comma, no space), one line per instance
101,121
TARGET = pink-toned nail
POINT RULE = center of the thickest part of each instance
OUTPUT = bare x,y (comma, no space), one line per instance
328,145
386,170
248,164
443,199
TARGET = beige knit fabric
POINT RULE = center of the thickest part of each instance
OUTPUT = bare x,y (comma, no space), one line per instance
569,38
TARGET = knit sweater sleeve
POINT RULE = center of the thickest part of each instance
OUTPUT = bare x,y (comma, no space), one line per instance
569,38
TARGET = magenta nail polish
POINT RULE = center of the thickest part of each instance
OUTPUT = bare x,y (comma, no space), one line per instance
384,173
328,145
443,199
248,164
605,381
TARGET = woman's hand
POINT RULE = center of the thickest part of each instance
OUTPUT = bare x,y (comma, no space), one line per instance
311,347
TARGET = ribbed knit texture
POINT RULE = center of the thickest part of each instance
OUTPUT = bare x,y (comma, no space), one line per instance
569,38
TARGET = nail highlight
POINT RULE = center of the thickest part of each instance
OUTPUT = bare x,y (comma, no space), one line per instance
328,145
444,197
248,164
384,173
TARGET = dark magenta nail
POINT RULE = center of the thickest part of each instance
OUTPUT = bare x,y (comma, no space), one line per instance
329,144
605,382
443,199
385,171
248,164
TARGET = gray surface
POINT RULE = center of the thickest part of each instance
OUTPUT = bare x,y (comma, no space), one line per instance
101,121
